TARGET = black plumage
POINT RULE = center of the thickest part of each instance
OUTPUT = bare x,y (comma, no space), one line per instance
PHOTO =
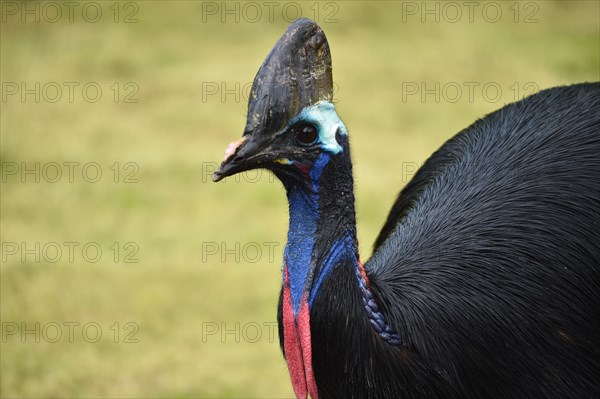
487,268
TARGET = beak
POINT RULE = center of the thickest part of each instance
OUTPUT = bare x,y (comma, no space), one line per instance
241,155
295,74
230,160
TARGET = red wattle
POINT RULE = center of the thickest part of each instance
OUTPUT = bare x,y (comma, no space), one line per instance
297,344
291,343
305,341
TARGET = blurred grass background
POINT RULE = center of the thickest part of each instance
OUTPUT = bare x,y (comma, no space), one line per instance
176,54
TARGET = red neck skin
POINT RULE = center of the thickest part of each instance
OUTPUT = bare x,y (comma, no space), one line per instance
297,344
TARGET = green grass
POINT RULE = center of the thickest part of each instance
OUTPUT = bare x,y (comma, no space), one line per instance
174,211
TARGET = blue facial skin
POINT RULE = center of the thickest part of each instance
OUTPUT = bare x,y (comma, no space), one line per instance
304,206
327,121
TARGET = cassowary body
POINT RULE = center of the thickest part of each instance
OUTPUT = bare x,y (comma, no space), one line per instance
485,280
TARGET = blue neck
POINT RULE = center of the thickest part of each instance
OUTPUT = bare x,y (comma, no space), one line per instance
318,242
304,215
300,252
299,255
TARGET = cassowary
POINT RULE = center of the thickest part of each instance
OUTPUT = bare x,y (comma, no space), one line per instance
485,279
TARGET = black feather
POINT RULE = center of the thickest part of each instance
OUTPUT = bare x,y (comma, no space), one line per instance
488,266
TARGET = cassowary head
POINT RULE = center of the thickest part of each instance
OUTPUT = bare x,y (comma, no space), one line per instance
292,125
293,130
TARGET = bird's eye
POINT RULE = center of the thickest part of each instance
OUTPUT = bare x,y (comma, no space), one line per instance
306,134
